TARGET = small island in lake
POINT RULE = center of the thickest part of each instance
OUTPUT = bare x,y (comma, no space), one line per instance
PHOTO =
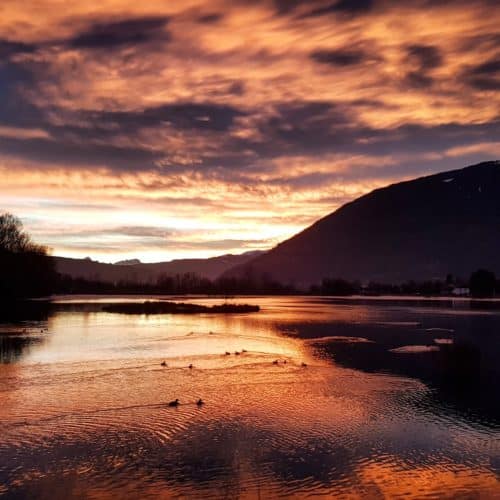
167,307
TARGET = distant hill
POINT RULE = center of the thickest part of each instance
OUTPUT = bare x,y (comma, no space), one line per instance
128,262
148,273
420,229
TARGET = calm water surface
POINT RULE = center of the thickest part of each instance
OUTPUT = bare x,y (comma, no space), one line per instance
399,399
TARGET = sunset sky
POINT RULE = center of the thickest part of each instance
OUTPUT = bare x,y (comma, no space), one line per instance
165,129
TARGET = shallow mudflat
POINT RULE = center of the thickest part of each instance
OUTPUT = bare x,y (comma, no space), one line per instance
84,402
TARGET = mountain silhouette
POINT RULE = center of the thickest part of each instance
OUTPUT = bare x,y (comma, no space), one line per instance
137,272
419,229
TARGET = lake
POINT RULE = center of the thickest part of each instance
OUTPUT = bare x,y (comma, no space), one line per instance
399,398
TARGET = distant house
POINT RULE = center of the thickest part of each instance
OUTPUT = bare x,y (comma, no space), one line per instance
460,292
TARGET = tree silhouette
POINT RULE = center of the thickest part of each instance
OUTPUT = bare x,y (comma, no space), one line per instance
13,238
26,270
482,283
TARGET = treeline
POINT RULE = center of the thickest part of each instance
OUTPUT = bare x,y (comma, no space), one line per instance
481,284
175,285
344,287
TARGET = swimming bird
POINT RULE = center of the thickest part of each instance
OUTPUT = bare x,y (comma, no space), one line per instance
191,366
303,364
275,362
174,403
200,402
237,353
243,350
163,363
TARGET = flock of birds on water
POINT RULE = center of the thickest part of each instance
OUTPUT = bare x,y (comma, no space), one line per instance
200,402
175,403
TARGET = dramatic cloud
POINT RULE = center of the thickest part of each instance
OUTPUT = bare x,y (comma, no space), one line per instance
160,130
9,49
340,57
422,59
127,32
427,57
485,76
344,6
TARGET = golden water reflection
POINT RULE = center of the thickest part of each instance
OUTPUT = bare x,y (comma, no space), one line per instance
84,413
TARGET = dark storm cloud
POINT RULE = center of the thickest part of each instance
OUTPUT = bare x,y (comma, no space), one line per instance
75,145
418,80
317,8
236,88
15,110
74,155
484,76
339,57
425,139
350,7
426,57
216,117
128,32
304,126
9,48
482,41
488,68
422,60
296,128
284,7
183,116
313,129
353,5
210,18
454,3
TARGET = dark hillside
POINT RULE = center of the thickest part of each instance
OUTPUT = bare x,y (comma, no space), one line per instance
419,229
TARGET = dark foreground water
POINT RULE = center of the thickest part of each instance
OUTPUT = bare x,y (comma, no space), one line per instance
398,400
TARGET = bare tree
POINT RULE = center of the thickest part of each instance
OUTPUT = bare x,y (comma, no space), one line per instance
26,270
14,239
